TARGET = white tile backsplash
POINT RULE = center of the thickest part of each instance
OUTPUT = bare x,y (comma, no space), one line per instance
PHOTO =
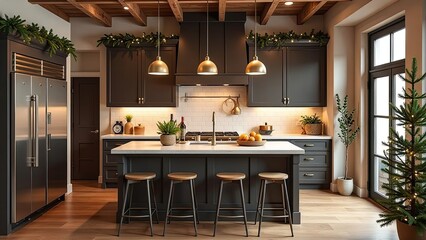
198,113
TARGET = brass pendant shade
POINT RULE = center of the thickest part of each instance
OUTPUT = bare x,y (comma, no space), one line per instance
158,67
207,67
255,67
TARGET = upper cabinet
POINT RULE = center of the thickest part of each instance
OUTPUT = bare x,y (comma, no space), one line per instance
130,85
296,77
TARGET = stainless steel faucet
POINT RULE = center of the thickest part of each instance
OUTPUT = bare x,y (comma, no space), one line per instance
214,132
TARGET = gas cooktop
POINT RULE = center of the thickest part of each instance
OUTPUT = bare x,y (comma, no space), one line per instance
207,136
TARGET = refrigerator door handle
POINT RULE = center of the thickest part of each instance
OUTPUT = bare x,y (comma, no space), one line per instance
35,131
49,140
30,157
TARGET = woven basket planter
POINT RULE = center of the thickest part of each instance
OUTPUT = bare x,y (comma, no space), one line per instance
313,129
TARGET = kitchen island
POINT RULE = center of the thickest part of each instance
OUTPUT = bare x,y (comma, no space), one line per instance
207,160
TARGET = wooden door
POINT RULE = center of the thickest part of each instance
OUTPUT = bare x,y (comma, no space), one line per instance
305,81
157,90
85,128
123,77
267,90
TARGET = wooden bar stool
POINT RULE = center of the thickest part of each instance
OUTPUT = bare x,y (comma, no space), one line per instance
133,178
228,177
268,178
175,178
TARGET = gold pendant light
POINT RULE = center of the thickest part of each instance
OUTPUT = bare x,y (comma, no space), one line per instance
255,67
207,67
158,67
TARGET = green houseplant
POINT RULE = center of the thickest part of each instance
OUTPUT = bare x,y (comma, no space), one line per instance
128,127
405,163
347,134
168,132
311,124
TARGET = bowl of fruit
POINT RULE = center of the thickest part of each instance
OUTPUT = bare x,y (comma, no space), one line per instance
252,139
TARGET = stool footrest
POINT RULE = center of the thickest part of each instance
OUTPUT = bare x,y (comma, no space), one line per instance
181,216
240,208
153,210
231,216
275,216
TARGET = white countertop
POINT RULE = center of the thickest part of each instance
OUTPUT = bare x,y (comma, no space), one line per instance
155,147
272,137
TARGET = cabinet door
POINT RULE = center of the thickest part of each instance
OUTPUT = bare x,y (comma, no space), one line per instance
189,47
306,81
159,91
233,49
267,90
123,85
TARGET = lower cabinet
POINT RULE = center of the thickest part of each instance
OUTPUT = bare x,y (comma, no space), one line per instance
109,161
315,166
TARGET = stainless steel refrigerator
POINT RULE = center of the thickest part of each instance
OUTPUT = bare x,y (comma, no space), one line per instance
39,145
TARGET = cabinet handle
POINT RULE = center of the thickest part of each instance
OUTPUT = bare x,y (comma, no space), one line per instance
283,100
142,100
139,100
116,174
288,101
309,159
308,174
309,145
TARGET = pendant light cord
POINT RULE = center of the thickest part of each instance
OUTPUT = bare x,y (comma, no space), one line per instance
255,29
207,28
158,27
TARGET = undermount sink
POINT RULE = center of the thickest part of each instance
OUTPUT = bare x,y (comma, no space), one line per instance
209,143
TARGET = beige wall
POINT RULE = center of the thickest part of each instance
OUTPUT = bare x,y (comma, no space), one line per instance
33,13
360,18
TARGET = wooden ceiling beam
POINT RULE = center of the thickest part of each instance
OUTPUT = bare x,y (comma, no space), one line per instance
308,11
93,11
222,10
135,11
164,1
177,9
268,10
58,12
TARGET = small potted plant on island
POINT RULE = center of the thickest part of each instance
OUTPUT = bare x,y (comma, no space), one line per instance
405,163
311,125
128,127
168,132
347,135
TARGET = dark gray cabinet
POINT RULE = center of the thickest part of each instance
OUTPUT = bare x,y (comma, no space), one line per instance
296,77
130,85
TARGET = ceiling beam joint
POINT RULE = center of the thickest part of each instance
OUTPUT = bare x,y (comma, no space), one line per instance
308,11
135,11
177,9
268,10
93,11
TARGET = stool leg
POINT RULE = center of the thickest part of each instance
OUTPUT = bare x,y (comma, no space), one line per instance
258,201
243,202
288,207
124,208
283,201
196,202
155,201
171,209
194,212
261,207
149,205
131,186
168,207
218,207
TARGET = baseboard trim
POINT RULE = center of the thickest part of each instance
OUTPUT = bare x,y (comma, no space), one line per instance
69,188
361,192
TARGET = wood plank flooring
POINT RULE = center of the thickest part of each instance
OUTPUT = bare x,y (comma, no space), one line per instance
89,213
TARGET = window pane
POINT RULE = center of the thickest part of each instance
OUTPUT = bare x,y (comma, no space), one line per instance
382,50
380,176
381,127
381,96
398,47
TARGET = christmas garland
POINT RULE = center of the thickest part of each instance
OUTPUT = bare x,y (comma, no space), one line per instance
27,32
279,40
129,40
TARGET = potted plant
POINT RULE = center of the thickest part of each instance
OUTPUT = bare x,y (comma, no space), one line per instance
405,163
311,125
347,134
168,132
128,127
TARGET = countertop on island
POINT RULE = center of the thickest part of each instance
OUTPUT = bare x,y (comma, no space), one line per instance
149,147
266,137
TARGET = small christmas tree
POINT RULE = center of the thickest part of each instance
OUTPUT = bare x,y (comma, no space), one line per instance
405,159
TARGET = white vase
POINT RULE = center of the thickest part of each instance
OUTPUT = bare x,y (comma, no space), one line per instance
345,186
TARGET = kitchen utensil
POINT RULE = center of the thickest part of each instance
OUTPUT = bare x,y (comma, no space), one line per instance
237,109
251,143
265,129
226,107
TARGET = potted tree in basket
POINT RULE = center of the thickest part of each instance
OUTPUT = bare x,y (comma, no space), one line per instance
311,125
168,132
347,135
405,164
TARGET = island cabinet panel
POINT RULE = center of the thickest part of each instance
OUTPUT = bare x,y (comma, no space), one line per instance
295,77
130,85
207,185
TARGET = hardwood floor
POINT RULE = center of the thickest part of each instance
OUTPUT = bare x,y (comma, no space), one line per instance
89,213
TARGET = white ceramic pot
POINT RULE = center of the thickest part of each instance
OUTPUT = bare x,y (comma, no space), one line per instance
345,186
168,140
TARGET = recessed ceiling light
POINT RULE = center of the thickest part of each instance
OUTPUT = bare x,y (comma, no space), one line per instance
288,3
126,8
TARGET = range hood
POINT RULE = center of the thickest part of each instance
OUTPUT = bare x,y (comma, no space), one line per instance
227,49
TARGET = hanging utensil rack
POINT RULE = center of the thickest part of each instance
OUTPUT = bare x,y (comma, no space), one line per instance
220,96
